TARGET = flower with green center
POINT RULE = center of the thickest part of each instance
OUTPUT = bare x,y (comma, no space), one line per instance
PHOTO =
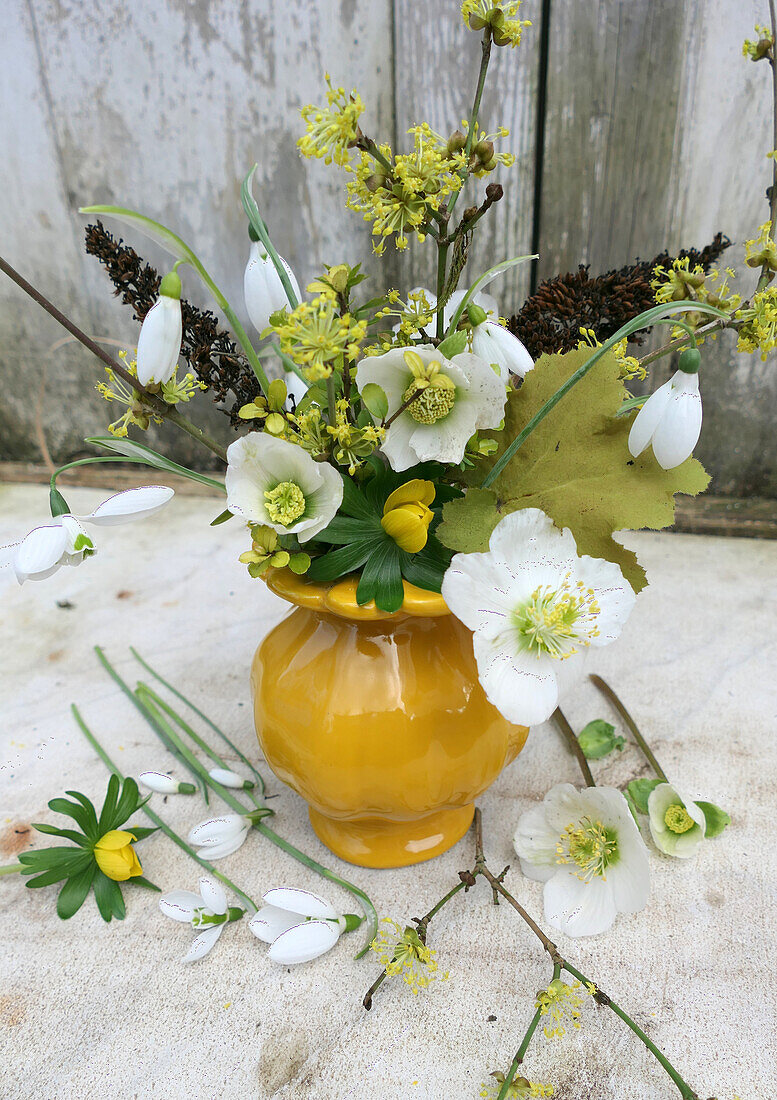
677,824
518,1089
560,1002
499,15
403,952
407,515
449,400
277,484
332,130
534,606
587,850
116,857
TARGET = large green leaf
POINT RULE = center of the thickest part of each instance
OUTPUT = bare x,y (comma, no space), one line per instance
381,578
343,530
73,894
108,896
338,562
576,467
84,816
66,834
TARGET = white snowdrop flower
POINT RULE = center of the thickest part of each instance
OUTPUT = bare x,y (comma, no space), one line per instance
65,542
299,925
159,342
534,607
456,397
229,778
677,824
161,783
207,912
586,848
498,347
671,417
220,836
276,483
262,286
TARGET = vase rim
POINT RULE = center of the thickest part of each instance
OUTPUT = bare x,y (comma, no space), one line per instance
339,597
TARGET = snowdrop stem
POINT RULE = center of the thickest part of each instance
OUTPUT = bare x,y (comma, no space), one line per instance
527,1038
126,458
158,821
10,869
602,998
203,717
647,752
644,320
569,736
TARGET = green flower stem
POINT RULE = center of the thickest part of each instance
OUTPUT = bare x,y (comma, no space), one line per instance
685,1089
569,736
203,717
679,341
473,118
126,458
181,843
644,320
647,752
442,260
11,869
520,1054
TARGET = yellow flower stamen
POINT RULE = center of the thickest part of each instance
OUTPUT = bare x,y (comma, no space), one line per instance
560,1001
285,503
677,819
558,621
590,846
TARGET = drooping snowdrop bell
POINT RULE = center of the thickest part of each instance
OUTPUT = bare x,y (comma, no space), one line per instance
671,417
299,925
262,286
159,343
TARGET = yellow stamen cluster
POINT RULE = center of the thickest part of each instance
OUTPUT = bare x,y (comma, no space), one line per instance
285,503
761,47
557,621
483,157
518,1089
405,199
758,331
402,952
499,15
413,315
630,367
561,1002
762,252
407,514
332,130
681,282
352,443
677,819
590,846
314,335
437,392
136,411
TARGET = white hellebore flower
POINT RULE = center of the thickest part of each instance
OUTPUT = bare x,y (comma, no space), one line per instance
220,836
207,910
670,419
456,397
159,343
533,605
498,347
161,783
299,925
264,293
276,483
677,824
229,778
65,542
586,848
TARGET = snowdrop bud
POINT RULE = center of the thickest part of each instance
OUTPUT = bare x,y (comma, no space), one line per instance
159,343
231,779
498,346
262,286
165,784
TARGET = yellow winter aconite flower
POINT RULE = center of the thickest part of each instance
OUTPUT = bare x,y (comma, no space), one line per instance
561,1001
404,952
500,16
518,1089
116,857
759,329
334,129
407,515
314,335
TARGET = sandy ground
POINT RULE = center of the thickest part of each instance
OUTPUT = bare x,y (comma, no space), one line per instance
93,1010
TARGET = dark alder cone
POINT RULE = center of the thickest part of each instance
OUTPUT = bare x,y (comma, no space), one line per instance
551,319
209,351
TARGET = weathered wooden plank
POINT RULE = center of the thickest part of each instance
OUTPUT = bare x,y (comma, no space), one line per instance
655,136
162,105
436,71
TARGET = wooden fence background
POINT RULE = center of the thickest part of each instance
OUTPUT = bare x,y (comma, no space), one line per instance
649,128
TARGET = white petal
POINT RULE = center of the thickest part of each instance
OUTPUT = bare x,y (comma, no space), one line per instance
212,852
521,686
495,345
216,830
212,893
397,446
647,419
479,592
203,943
180,904
40,553
578,908
485,301
613,593
390,372
530,537
680,845
304,942
629,878
680,426
535,844
262,286
257,463
159,342
268,923
159,782
303,902
130,504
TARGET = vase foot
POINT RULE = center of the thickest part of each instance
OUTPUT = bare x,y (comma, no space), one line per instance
380,842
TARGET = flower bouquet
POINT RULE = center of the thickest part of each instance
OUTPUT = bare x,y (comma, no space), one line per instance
441,507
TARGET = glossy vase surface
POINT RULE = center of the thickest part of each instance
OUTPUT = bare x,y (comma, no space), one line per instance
378,721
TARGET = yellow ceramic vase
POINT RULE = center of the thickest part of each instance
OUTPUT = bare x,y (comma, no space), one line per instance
377,720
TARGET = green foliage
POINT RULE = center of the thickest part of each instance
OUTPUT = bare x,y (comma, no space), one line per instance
716,819
576,467
598,739
640,790
374,397
78,866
